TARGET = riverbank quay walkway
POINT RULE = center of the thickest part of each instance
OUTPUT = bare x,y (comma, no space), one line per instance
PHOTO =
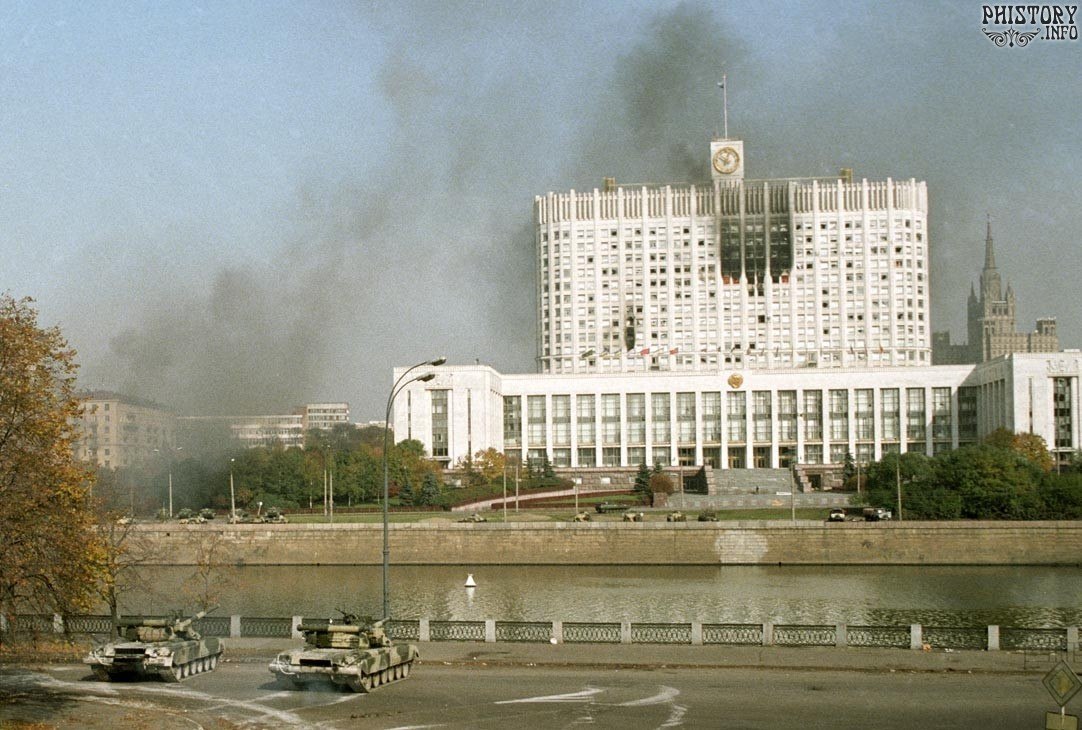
655,656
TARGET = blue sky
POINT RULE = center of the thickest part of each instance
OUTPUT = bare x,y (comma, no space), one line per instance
240,207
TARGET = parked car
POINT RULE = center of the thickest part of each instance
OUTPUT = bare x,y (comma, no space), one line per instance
877,514
836,515
633,516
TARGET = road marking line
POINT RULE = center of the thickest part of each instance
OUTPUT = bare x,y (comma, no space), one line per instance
583,696
667,694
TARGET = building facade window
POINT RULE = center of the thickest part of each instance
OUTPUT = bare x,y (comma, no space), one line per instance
889,415
440,435
864,414
941,416
512,421
610,422
813,417
761,416
661,415
967,415
636,420
711,417
915,414
561,424
535,424
736,412
787,416
839,417
1061,413
585,406
685,417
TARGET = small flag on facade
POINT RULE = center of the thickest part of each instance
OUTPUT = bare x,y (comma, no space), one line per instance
645,351
587,354
674,350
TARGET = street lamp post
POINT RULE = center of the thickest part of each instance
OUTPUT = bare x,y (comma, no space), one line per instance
173,448
792,491
898,482
395,389
232,494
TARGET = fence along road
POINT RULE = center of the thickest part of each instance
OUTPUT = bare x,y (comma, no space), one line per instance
913,636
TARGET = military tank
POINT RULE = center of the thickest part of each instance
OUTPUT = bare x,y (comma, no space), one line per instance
170,648
349,651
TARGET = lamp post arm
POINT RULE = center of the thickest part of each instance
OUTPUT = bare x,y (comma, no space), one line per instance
397,388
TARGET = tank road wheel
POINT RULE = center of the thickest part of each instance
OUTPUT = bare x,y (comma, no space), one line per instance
406,669
204,664
174,673
214,661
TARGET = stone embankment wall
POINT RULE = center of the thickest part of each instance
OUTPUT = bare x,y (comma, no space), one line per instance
601,543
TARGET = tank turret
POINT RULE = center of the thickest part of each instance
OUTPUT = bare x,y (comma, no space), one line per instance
350,651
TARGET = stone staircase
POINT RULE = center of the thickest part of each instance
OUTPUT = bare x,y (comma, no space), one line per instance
752,481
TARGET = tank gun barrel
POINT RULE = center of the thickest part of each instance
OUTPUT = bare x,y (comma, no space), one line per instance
185,623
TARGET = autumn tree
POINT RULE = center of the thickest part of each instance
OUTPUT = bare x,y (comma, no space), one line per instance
52,557
126,550
491,463
1028,445
660,484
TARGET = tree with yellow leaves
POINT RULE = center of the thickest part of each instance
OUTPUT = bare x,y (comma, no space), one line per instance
52,556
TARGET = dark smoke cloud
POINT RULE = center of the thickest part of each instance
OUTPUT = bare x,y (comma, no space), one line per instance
428,250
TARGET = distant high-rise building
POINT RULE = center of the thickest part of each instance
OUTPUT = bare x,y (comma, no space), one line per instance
794,272
272,430
991,322
324,416
121,431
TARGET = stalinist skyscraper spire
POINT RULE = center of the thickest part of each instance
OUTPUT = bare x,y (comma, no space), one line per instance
991,287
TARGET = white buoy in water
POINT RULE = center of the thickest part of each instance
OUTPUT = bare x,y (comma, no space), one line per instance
470,582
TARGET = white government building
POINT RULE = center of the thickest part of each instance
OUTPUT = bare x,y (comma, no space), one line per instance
739,324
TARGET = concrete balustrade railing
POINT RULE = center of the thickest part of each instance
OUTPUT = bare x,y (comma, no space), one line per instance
697,633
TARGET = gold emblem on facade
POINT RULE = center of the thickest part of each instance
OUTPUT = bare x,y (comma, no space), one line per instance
736,380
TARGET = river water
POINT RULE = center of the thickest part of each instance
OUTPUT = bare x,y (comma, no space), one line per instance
1030,597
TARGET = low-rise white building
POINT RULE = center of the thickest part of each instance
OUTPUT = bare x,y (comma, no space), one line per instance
741,419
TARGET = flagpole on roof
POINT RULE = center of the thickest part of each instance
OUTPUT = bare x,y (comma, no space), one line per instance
724,106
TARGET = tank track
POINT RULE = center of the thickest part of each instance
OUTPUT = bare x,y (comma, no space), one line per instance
367,682
196,666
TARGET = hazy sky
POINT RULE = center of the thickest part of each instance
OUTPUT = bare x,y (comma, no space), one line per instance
239,207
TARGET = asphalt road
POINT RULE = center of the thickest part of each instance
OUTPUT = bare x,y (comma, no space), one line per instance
437,695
